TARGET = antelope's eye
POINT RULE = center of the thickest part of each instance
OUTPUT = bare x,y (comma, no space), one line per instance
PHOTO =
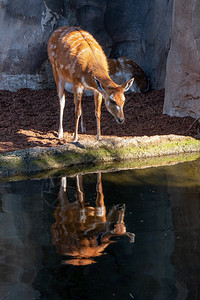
112,101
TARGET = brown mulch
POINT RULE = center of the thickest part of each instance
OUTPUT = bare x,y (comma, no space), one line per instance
30,118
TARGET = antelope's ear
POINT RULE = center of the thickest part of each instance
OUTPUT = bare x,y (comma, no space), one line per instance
126,85
98,84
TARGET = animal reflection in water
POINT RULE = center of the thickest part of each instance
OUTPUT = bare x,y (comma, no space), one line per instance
83,232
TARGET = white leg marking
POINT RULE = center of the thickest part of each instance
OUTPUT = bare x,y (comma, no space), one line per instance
62,105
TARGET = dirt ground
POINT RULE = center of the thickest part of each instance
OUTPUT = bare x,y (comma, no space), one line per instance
30,118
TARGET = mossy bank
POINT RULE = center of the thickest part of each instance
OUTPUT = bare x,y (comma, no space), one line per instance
107,150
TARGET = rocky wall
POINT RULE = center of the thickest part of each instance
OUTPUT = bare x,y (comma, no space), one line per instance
182,86
138,29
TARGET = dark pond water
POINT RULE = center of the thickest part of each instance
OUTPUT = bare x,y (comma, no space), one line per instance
124,235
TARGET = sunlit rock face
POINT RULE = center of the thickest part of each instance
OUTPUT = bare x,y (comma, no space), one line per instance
182,94
137,29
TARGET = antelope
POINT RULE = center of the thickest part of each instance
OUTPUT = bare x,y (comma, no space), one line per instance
82,231
124,68
78,59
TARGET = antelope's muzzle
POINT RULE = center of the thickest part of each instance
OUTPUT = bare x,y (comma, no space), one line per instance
120,120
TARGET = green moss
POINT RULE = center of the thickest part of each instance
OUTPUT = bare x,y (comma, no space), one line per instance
56,158
11,164
108,166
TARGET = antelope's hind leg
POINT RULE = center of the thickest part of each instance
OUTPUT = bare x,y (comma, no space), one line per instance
83,128
98,102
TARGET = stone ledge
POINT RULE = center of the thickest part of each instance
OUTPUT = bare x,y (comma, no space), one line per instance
109,149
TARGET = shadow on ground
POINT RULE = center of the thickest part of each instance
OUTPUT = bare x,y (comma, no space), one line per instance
29,118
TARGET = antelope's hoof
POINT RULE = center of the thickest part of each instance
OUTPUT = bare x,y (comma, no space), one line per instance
60,136
75,139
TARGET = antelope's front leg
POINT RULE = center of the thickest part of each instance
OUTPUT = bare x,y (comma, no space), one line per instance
61,95
99,190
80,190
98,101
100,209
62,192
81,198
78,91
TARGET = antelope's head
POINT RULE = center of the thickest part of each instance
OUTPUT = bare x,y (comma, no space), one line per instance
114,97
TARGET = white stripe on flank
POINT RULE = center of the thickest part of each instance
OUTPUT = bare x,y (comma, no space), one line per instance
121,62
76,46
76,59
76,40
119,73
76,33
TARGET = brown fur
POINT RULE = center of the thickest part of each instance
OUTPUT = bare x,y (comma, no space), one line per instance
122,68
77,58
83,231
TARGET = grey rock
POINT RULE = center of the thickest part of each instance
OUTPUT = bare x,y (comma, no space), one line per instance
182,97
25,28
141,30
137,29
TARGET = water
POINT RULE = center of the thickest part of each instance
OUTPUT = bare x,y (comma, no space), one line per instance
124,235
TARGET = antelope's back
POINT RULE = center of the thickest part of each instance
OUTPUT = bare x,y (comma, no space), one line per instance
73,51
